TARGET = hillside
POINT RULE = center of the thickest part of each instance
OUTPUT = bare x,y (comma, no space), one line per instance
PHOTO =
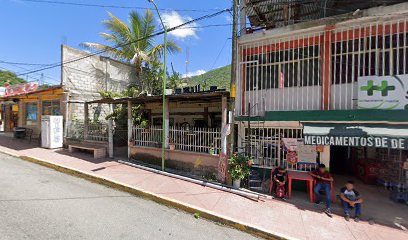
10,77
219,77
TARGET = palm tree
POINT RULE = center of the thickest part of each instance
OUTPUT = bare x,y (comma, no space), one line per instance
131,42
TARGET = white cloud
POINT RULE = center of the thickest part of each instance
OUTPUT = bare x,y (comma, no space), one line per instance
192,74
228,18
174,19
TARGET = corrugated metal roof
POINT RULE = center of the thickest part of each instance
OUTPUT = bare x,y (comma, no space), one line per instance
278,13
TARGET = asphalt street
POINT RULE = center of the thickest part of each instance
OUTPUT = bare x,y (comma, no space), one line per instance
40,203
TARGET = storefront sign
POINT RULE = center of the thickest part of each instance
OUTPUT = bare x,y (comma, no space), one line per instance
2,91
383,92
360,141
12,90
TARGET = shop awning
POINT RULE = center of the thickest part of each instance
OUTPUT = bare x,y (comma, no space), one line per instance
356,135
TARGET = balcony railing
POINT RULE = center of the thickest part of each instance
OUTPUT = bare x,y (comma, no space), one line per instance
319,68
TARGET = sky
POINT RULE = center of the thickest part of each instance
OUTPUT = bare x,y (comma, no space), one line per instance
32,32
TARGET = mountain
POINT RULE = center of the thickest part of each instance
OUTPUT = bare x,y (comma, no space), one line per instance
10,77
219,77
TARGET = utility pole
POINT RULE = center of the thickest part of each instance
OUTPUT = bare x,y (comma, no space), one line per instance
231,107
165,119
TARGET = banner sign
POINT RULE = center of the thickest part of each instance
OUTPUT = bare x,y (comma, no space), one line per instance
18,89
297,151
360,141
383,92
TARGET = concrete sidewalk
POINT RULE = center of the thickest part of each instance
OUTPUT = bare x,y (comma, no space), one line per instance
281,219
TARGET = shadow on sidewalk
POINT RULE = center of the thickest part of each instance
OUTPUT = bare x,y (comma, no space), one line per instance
83,155
9,141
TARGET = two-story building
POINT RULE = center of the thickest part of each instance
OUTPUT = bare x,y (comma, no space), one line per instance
313,89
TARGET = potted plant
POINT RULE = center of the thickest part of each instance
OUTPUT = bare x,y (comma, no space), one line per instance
239,167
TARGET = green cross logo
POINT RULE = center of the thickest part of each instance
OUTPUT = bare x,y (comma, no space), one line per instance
384,88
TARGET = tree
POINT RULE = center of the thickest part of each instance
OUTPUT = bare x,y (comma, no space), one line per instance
175,79
132,43
10,78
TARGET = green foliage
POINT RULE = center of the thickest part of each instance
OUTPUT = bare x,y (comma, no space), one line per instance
219,77
119,113
143,53
239,166
9,77
175,80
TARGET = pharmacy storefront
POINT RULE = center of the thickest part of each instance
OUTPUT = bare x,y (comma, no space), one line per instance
374,153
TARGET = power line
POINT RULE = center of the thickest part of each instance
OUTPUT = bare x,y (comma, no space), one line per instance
115,6
219,53
28,64
128,43
20,67
35,79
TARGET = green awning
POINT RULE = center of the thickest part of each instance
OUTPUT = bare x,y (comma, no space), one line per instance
365,135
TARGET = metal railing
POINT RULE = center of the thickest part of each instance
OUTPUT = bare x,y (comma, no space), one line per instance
264,145
96,131
318,68
204,140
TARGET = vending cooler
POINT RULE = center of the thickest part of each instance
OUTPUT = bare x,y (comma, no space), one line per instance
51,131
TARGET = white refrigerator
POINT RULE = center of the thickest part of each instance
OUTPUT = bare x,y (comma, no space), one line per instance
51,131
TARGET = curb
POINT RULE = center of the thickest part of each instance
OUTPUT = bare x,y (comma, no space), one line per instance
156,198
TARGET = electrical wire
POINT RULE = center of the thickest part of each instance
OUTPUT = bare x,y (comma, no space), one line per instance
38,74
28,64
115,6
128,43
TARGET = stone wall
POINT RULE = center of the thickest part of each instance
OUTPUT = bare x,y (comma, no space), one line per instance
84,79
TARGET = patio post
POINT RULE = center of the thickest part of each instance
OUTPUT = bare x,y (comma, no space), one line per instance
130,126
166,126
110,138
224,124
86,120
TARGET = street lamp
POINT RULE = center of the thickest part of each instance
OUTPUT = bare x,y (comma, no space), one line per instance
164,133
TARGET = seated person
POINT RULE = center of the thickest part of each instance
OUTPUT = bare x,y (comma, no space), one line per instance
323,179
351,198
279,178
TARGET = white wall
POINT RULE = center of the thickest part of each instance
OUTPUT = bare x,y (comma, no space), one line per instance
84,79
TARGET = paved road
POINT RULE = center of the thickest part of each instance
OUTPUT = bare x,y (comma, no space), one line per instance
40,203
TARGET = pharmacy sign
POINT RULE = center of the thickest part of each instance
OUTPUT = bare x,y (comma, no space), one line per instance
383,92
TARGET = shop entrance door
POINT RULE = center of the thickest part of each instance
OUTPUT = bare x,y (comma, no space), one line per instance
340,160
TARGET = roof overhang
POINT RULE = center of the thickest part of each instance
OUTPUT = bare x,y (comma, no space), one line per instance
356,135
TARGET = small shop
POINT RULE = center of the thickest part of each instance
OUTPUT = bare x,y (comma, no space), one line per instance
24,106
374,153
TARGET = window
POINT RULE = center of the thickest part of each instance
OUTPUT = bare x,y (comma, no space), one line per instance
381,55
31,113
51,107
296,67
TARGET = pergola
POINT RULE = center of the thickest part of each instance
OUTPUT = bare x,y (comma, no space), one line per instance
187,98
